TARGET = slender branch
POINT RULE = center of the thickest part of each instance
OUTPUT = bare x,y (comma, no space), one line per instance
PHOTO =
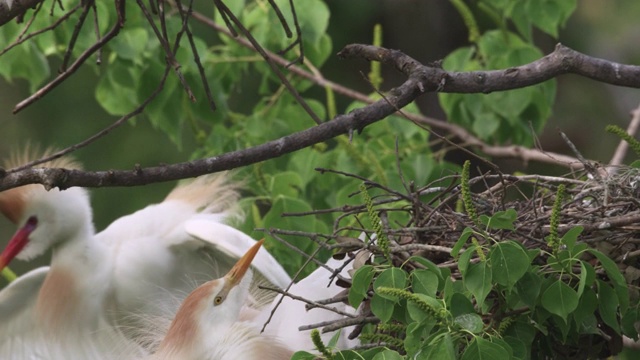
185,16
283,79
310,302
104,131
164,42
76,64
22,38
74,36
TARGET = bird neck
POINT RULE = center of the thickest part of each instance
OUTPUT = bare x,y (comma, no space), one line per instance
242,340
77,284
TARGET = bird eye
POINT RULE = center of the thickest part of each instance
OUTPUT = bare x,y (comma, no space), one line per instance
32,222
217,300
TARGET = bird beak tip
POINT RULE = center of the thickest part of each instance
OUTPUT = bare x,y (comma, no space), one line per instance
15,245
240,268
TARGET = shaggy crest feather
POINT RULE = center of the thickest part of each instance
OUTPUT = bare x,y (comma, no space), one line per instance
13,201
33,152
213,193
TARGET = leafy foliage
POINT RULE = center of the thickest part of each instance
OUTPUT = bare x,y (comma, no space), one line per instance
501,300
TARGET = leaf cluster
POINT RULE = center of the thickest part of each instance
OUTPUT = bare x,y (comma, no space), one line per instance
495,294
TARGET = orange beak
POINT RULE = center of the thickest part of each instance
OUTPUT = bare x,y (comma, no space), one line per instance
234,276
17,242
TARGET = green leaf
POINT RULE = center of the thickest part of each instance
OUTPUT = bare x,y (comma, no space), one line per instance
415,334
424,282
561,324
614,274
509,262
116,90
560,299
520,350
274,219
129,43
381,307
393,277
442,348
464,236
628,323
464,260
587,306
587,276
303,355
570,237
523,330
388,355
608,305
430,266
350,355
25,62
460,304
528,288
485,126
484,349
501,220
360,284
477,280
550,15
470,322
417,313
303,163
287,184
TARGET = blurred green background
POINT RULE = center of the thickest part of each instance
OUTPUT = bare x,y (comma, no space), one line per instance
426,30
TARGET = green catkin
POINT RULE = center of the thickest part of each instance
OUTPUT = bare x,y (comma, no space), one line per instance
382,338
633,143
382,241
479,251
552,240
466,193
415,299
504,324
392,327
469,20
332,109
317,342
375,75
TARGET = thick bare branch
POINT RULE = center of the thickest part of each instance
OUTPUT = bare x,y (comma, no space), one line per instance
562,60
465,137
420,80
18,8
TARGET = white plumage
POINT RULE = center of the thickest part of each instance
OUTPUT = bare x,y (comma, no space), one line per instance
97,285
209,325
292,314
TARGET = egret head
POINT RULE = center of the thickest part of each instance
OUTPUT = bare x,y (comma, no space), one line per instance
211,309
44,218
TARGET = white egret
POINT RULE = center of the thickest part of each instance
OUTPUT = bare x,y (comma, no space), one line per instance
209,325
96,282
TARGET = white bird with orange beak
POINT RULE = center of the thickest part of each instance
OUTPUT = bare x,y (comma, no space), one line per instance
208,325
140,264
